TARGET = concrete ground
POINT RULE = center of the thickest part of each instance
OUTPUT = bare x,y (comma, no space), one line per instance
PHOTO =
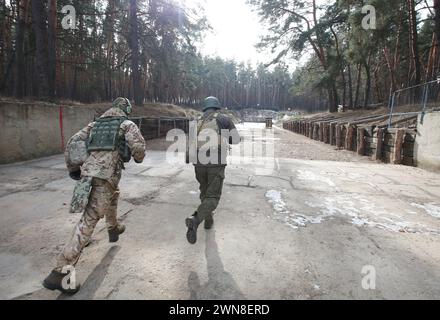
286,228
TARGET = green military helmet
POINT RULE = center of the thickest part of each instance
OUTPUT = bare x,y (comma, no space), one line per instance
123,104
211,103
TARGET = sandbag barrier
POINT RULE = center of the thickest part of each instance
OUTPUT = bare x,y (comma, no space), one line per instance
394,145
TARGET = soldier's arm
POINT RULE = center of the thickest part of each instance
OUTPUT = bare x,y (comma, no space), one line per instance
135,141
227,124
81,135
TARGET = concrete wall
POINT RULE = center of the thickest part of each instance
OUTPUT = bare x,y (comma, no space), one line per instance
32,130
427,144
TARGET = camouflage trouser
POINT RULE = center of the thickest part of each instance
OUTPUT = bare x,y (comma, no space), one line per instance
103,202
211,180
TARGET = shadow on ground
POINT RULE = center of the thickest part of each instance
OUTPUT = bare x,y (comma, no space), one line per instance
221,285
95,279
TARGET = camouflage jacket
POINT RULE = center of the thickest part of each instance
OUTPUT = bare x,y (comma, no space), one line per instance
109,165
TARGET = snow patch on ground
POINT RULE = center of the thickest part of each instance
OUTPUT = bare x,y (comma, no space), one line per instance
360,211
276,199
281,212
430,208
306,175
284,215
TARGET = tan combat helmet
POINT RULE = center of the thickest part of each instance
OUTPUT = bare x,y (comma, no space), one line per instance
123,104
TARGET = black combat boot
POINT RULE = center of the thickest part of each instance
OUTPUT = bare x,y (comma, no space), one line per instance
113,234
209,222
192,224
54,282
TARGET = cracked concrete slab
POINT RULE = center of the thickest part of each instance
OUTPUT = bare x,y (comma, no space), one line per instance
303,230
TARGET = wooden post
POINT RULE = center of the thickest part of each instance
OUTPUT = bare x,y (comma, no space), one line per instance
320,131
339,136
349,138
361,141
377,156
316,131
332,133
326,132
140,124
158,128
398,144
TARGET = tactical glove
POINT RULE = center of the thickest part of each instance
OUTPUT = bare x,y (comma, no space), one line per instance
75,175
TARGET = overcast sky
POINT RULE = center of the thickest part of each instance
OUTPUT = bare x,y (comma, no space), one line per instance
236,30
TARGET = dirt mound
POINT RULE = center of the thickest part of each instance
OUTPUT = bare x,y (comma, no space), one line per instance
156,110
148,110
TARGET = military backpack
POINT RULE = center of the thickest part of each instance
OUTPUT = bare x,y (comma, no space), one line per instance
211,123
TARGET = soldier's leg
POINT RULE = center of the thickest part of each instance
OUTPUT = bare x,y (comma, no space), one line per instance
193,222
216,176
98,201
111,216
202,178
115,229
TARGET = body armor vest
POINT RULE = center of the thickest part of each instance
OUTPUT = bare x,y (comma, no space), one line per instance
107,136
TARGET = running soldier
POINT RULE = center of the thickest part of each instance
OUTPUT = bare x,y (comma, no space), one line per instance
211,165
95,157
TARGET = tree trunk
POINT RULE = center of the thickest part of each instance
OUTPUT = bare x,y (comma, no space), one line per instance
20,73
433,69
333,98
342,69
368,80
52,47
377,83
134,48
350,86
437,20
39,18
414,41
358,86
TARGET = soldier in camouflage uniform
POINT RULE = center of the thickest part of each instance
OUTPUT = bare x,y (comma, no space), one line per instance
96,194
212,174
